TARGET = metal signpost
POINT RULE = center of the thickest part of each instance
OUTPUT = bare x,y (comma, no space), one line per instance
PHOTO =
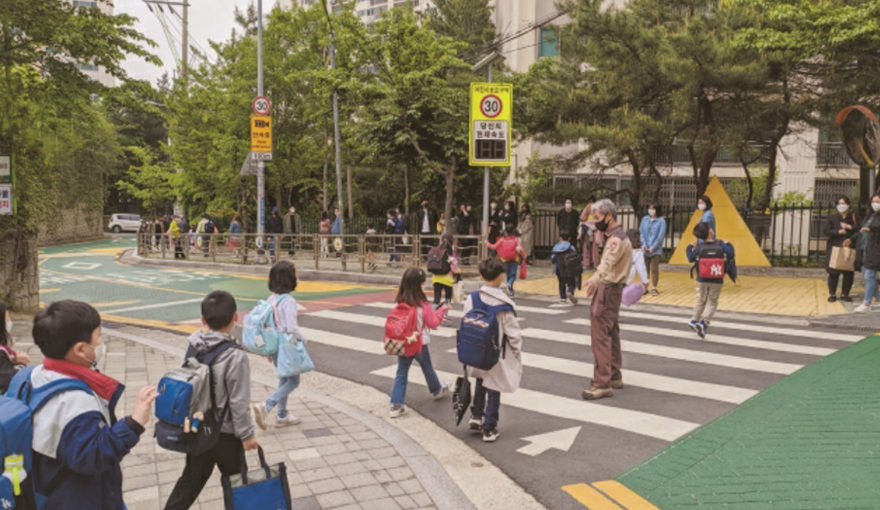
261,125
7,201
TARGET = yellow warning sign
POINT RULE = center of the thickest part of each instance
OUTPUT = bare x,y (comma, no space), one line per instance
490,127
261,133
730,227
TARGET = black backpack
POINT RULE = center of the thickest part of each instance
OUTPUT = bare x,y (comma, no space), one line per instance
570,264
438,262
209,227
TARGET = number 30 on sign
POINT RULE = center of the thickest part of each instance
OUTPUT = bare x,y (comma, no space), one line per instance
490,126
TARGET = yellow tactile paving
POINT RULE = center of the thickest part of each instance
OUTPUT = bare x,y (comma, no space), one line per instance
625,497
589,497
753,294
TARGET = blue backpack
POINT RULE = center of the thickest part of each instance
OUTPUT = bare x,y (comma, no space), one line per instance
259,333
17,410
478,342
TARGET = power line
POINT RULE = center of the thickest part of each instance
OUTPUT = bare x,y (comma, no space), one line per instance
501,41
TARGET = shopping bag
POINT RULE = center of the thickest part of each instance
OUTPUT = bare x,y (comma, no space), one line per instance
293,358
461,397
842,258
522,269
262,488
458,292
632,293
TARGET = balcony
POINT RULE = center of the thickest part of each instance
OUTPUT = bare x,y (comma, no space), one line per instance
833,154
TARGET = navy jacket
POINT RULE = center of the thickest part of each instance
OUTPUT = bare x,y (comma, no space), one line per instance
729,262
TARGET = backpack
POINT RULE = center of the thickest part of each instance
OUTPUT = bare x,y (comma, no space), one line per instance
477,340
570,264
17,409
399,227
401,331
188,418
711,261
507,249
259,333
209,227
438,262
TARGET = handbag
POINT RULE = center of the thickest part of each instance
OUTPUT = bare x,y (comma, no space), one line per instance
293,358
522,269
458,292
461,397
262,488
842,258
632,293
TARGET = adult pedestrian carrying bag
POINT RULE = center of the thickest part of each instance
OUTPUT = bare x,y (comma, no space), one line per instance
189,420
438,262
264,488
842,258
632,293
259,334
401,331
507,249
479,342
17,410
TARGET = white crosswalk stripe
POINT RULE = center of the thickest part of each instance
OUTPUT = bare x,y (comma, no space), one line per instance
371,320
457,313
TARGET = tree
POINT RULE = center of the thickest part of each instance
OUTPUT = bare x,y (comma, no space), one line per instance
150,181
467,21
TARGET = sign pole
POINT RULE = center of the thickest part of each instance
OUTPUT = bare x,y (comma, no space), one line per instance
261,184
486,185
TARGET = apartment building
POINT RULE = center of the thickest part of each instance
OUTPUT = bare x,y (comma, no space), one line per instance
367,10
91,70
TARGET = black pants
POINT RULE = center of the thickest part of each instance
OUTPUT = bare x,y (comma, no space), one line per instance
438,289
833,278
565,281
226,455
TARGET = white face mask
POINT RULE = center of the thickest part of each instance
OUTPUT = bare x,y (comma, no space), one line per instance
506,207
568,206
469,208
492,206
9,327
292,211
842,208
875,206
100,360
652,212
701,207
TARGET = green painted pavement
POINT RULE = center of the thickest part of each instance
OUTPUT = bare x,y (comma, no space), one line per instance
811,441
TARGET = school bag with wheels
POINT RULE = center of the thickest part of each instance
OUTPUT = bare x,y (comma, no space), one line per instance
264,488
478,341
711,261
401,331
188,419
17,410
507,249
259,333
438,262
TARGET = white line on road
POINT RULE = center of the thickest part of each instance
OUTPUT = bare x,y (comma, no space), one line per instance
371,320
148,307
458,313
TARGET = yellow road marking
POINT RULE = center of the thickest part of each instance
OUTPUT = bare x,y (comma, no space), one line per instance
589,497
625,497
183,328
46,291
114,303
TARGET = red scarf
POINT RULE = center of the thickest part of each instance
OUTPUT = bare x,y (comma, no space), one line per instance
101,384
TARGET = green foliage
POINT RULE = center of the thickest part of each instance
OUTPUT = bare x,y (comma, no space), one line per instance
150,180
467,21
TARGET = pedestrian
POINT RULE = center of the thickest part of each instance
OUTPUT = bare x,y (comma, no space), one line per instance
590,237
205,230
174,233
371,245
324,231
506,375
710,276
638,259
292,227
509,217
563,251
508,249
443,280
427,220
231,384
526,230
158,232
336,229
78,444
494,223
467,226
867,241
391,230
653,231
568,220
183,240
10,360
282,282
234,233
606,289
704,204
401,220
274,227
441,224
839,227
411,294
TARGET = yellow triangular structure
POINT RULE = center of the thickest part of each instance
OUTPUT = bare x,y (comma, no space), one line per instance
730,227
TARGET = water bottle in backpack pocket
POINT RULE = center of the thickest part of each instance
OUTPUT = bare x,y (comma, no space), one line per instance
477,341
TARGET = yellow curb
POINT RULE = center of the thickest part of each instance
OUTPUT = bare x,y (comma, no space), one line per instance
114,303
183,328
625,497
46,291
589,497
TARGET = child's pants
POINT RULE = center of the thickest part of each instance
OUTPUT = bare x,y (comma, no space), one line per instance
226,455
486,405
512,268
286,386
565,281
707,301
439,289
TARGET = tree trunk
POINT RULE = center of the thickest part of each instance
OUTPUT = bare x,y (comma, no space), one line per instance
279,196
325,190
750,183
450,189
406,188
348,185
771,175
635,194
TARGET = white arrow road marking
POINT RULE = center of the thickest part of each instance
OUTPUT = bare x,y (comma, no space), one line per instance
559,440
81,265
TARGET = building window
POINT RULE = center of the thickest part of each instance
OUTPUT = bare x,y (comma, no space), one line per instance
87,67
84,4
549,46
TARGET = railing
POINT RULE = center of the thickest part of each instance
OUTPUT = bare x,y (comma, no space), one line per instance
833,154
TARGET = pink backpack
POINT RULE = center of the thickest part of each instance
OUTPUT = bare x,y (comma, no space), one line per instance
401,335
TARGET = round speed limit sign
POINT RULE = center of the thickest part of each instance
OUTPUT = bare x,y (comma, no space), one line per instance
491,106
261,105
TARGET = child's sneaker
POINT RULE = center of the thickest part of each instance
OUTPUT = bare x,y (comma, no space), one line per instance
397,411
694,325
442,392
862,308
261,415
563,302
475,423
703,329
490,436
573,299
287,421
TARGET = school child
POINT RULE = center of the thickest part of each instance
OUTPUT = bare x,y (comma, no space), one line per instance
713,259
371,247
282,281
324,229
638,265
231,376
506,375
78,443
442,279
411,294
508,249
563,252
10,360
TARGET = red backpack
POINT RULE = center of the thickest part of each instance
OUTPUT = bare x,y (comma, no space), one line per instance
401,335
507,249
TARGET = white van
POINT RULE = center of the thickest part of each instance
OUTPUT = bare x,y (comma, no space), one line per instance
124,223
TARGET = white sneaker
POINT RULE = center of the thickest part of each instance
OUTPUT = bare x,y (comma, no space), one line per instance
287,421
261,415
442,391
397,411
862,308
573,299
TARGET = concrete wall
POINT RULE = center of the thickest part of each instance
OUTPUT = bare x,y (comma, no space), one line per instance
72,225
19,272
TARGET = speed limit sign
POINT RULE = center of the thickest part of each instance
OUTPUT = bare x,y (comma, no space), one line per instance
261,105
491,106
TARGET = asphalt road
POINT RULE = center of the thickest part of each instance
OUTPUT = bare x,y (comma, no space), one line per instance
674,382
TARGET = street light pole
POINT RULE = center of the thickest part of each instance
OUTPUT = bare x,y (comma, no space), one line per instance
261,184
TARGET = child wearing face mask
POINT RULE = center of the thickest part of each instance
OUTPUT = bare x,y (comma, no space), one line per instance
10,360
78,443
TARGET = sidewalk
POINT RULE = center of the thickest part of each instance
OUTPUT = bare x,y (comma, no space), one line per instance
339,457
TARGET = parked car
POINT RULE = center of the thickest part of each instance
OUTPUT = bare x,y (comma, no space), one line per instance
124,223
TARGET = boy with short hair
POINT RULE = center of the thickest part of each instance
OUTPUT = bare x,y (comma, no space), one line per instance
78,443
231,376
564,249
506,375
709,288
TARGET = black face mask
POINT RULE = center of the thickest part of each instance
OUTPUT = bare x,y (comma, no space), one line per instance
602,226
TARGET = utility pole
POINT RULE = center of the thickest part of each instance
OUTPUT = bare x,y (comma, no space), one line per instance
336,142
184,54
261,167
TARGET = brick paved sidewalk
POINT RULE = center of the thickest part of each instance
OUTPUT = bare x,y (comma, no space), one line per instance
333,460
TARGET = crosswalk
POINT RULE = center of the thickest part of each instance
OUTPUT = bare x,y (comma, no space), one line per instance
670,375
